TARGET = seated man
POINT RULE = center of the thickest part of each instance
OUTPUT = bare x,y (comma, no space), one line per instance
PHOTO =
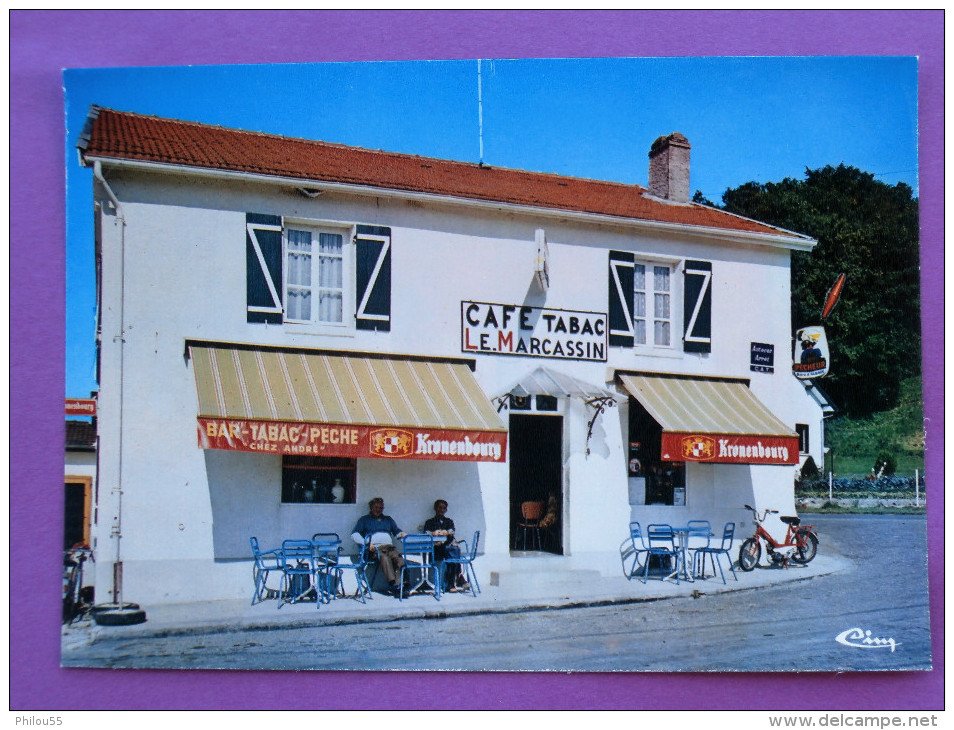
383,531
442,526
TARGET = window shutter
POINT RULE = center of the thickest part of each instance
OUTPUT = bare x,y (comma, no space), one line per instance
373,278
263,267
697,306
620,292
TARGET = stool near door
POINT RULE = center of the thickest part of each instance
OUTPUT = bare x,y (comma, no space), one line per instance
530,515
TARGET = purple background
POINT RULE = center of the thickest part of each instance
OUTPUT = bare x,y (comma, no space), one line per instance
42,43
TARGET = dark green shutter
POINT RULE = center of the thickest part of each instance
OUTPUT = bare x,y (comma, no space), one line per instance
620,294
697,307
263,267
373,278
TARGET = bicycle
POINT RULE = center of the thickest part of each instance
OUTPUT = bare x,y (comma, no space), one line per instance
800,544
75,605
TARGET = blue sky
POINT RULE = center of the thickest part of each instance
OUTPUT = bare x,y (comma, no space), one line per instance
761,119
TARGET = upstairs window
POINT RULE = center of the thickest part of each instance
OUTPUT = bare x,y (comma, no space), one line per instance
652,305
315,276
300,273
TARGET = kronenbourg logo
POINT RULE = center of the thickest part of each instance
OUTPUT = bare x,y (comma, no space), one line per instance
698,448
862,639
391,442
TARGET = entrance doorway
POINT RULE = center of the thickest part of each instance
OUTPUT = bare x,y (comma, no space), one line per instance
536,475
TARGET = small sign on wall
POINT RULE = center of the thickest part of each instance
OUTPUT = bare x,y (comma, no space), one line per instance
762,358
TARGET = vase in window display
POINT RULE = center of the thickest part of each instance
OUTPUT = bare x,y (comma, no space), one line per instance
337,492
310,493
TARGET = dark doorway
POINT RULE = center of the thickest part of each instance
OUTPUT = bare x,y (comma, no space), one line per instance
76,515
536,475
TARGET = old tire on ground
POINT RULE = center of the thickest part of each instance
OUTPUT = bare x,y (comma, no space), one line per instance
749,554
126,606
806,553
120,617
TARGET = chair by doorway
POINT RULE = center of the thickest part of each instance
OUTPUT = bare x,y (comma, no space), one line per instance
530,515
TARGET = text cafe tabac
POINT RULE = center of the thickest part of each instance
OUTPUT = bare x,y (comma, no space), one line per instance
512,329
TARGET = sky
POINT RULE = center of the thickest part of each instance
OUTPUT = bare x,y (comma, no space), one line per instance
748,119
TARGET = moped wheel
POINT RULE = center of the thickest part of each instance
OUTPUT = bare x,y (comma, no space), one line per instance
805,552
749,554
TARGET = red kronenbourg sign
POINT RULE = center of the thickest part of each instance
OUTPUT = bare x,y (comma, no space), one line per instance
729,449
358,442
80,407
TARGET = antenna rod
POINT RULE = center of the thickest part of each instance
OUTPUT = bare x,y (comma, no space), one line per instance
480,114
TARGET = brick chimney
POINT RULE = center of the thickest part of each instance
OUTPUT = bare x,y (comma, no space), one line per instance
669,168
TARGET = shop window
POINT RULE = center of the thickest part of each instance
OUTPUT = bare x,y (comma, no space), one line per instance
652,480
802,430
318,479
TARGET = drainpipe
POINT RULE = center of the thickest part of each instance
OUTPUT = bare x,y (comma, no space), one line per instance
116,531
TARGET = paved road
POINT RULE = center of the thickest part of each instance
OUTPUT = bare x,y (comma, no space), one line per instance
790,627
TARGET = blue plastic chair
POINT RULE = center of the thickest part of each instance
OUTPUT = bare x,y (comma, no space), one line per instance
636,548
298,558
715,552
700,533
360,566
265,561
661,543
466,561
418,555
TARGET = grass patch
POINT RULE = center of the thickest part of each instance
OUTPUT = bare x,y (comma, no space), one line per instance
856,442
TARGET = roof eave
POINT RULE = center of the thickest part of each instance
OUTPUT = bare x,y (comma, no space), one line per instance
781,240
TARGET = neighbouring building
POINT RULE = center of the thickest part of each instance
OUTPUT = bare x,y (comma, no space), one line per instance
289,328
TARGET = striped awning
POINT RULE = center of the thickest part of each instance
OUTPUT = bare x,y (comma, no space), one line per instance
712,419
308,402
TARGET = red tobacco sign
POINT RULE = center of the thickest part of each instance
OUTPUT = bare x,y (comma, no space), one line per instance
358,442
730,449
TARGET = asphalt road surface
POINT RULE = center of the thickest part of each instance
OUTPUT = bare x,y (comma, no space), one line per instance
789,627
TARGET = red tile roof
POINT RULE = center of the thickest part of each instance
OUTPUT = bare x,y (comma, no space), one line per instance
80,435
127,136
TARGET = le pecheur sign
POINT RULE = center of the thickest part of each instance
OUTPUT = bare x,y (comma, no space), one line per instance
514,329
355,441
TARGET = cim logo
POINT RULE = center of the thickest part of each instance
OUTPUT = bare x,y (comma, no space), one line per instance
862,639
391,442
698,448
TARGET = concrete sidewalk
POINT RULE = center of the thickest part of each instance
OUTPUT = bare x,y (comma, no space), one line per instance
230,615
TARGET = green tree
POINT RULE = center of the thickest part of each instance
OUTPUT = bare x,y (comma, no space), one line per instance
868,230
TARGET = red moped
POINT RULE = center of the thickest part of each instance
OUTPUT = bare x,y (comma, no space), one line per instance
800,545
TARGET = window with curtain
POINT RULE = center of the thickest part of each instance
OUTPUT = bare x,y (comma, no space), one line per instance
652,304
315,276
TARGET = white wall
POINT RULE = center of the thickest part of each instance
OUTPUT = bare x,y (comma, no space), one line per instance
183,277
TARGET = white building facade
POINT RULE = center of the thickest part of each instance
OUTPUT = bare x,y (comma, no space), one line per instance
290,328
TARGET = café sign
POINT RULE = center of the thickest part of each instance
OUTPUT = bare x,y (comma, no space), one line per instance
514,329
354,441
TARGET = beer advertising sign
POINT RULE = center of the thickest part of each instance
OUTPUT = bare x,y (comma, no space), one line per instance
729,448
811,353
514,329
354,441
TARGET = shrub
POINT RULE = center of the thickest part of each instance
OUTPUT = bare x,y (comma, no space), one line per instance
809,471
887,460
